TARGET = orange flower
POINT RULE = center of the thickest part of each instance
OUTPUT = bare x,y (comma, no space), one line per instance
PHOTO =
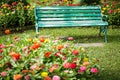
54,47
60,47
47,54
7,31
35,46
54,67
86,63
17,77
47,78
25,71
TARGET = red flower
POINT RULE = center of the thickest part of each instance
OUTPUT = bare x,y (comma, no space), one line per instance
42,39
14,4
73,65
66,65
47,54
1,50
0,57
15,56
110,11
35,46
2,46
75,52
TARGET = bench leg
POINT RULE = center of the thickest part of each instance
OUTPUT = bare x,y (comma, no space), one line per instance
36,25
103,29
105,33
36,30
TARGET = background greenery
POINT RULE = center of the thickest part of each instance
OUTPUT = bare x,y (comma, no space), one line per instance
17,15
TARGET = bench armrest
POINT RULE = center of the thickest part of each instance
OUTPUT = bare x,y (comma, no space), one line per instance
105,18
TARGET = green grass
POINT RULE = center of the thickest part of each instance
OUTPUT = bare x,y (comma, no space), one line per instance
108,55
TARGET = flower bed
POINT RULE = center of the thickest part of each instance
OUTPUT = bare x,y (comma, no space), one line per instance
24,58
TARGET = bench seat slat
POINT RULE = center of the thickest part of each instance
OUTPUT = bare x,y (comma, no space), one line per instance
68,11
67,7
67,15
69,19
71,23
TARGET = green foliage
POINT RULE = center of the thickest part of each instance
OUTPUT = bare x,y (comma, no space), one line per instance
10,1
91,2
45,55
16,15
113,11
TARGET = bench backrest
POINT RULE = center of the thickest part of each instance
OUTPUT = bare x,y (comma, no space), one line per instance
68,13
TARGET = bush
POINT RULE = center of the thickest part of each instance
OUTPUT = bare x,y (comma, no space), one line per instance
16,15
113,11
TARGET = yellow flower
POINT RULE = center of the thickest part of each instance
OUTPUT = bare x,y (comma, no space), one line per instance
104,8
107,6
7,14
0,65
47,40
85,60
27,6
103,11
44,74
29,40
35,40
32,7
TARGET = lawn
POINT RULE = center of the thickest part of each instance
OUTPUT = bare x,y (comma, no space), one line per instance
108,55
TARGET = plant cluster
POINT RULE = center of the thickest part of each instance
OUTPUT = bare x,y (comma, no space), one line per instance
25,58
15,15
113,11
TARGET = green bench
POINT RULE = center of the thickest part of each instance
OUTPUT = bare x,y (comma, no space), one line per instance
71,16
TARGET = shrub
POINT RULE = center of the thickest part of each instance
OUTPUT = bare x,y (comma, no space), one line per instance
113,11
16,15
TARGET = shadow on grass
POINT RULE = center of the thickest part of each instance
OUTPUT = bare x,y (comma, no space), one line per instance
95,38
109,75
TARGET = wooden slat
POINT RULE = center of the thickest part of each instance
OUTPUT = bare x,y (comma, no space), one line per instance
69,19
72,23
67,15
67,7
66,11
